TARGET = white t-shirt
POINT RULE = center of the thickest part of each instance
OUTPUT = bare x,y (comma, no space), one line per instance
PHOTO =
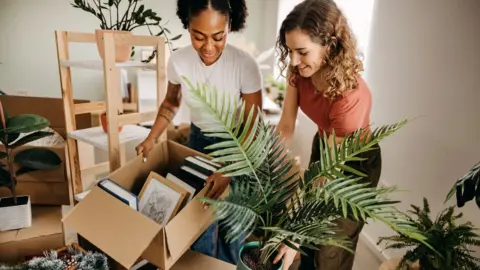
235,72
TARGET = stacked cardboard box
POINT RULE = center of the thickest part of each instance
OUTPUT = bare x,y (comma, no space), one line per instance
48,189
127,235
45,233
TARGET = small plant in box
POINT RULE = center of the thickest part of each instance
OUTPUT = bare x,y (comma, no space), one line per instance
16,210
270,200
122,17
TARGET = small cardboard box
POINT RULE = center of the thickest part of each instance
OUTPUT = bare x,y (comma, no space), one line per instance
46,233
127,235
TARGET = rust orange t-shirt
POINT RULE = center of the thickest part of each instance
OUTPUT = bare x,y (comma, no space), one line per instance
345,115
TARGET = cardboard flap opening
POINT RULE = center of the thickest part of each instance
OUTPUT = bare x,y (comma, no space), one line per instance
179,235
112,226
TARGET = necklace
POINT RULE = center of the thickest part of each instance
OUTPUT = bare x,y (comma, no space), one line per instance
210,69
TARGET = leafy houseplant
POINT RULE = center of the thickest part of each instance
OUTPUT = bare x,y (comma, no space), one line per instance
467,188
134,16
16,211
269,199
452,241
280,87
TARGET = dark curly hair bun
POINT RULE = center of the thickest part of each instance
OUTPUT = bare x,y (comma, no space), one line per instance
236,10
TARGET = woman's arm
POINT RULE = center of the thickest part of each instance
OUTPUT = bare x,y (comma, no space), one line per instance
286,126
167,111
253,100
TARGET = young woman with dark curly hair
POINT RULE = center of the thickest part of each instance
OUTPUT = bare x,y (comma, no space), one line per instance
323,75
209,60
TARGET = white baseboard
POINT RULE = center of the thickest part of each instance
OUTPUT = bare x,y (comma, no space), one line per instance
372,246
372,243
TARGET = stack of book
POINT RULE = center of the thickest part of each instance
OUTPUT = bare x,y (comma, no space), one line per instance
187,180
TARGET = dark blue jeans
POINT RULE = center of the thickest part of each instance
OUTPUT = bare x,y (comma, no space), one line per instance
212,242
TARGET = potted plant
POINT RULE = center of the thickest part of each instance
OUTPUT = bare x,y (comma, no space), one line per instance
113,19
453,241
16,210
270,200
277,90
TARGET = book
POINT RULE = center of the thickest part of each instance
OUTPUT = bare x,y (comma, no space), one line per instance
119,192
200,166
214,164
191,190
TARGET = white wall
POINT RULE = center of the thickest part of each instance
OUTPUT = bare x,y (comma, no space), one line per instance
424,64
28,52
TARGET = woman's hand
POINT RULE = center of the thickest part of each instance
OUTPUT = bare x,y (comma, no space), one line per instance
219,185
145,147
287,254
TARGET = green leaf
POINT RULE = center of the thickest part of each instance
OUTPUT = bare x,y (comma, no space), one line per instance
176,37
25,123
24,170
30,138
38,158
5,178
12,137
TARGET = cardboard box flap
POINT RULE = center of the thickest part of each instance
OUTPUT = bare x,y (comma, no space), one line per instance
112,226
187,226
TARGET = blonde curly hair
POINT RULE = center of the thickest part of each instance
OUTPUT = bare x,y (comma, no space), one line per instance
325,24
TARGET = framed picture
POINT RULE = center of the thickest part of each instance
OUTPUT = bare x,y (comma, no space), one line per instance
160,198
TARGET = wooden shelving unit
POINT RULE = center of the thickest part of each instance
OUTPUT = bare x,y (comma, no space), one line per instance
113,105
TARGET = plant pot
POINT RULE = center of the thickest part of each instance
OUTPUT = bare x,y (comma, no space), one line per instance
122,52
393,264
241,265
15,216
104,122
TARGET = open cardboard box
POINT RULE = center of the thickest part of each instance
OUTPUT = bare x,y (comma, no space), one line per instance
127,235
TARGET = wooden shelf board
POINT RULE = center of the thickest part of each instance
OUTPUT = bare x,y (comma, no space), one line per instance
97,137
98,64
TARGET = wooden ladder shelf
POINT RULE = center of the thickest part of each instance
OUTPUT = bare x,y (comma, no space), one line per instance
113,140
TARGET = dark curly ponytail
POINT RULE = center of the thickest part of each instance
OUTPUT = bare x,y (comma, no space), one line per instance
235,10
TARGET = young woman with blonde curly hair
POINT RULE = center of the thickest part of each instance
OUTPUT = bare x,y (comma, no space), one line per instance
324,81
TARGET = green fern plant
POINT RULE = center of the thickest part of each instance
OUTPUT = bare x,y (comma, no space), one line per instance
452,241
268,196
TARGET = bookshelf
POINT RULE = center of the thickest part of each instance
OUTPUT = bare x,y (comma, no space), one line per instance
113,141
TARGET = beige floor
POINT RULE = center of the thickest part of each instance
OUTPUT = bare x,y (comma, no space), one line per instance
364,259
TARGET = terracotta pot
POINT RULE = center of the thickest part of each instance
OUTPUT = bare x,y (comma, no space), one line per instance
103,121
392,264
122,52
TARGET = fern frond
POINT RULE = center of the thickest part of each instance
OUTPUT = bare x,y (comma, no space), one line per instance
363,202
243,153
239,213
333,160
